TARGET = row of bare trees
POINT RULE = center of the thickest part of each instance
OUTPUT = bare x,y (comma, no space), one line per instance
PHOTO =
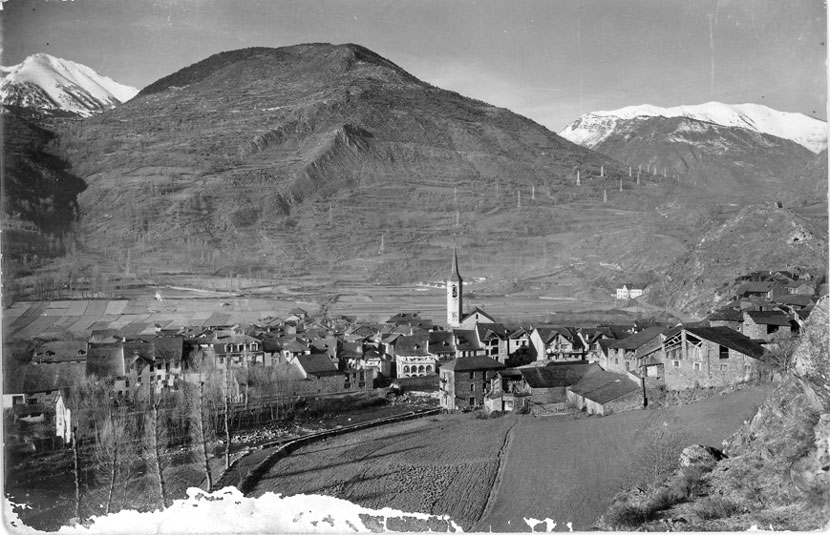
119,445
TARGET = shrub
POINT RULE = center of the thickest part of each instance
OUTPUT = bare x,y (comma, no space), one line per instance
624,515
689,482
662,500
715,507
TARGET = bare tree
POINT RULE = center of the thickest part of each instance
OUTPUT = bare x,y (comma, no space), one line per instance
200,407
154,442
111,453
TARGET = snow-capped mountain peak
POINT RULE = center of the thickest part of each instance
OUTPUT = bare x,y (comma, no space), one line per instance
53,84
592,128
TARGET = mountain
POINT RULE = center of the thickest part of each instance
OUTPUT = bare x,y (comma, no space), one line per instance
724,149
592,128
312,155
318,164
54,85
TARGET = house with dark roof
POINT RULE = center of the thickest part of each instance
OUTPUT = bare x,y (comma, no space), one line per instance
31,390
442,345
763,325
561,387
601,392
464,382
467,343
557,343
622,353
315,365
493,338
729,316
708,357
766,290
548,385
798,301
61,351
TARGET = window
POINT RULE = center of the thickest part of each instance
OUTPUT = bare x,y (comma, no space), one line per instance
472,388
676,363
697,366
472,375
724,367
723,352
472,402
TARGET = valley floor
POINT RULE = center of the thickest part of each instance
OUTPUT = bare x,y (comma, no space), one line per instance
493,473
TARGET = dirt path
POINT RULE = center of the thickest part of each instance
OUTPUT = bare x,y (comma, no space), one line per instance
496,482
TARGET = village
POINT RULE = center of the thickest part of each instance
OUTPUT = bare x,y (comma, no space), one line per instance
475,363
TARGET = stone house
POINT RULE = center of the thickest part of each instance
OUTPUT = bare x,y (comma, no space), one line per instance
706,357
763,325
727,317
622,354
601,392
508,392
464,382
548,385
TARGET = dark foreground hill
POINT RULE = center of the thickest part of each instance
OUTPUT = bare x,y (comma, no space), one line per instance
39,195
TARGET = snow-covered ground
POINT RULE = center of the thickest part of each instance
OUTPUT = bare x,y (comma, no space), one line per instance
229,511
592,128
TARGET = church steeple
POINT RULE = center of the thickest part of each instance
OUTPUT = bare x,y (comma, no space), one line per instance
455,287
454,274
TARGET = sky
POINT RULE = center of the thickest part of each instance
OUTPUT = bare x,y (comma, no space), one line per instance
550,60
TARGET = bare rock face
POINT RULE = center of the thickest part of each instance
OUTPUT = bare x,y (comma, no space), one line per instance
810,359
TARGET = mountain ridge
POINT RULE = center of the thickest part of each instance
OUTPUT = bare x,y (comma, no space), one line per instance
592,128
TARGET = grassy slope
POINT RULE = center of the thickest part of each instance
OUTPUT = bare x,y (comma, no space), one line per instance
569,470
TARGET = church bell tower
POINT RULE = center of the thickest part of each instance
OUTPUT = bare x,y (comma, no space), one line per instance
454,289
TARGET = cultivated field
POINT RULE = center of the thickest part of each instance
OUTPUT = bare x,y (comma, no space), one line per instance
76,318
442,465
560,468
